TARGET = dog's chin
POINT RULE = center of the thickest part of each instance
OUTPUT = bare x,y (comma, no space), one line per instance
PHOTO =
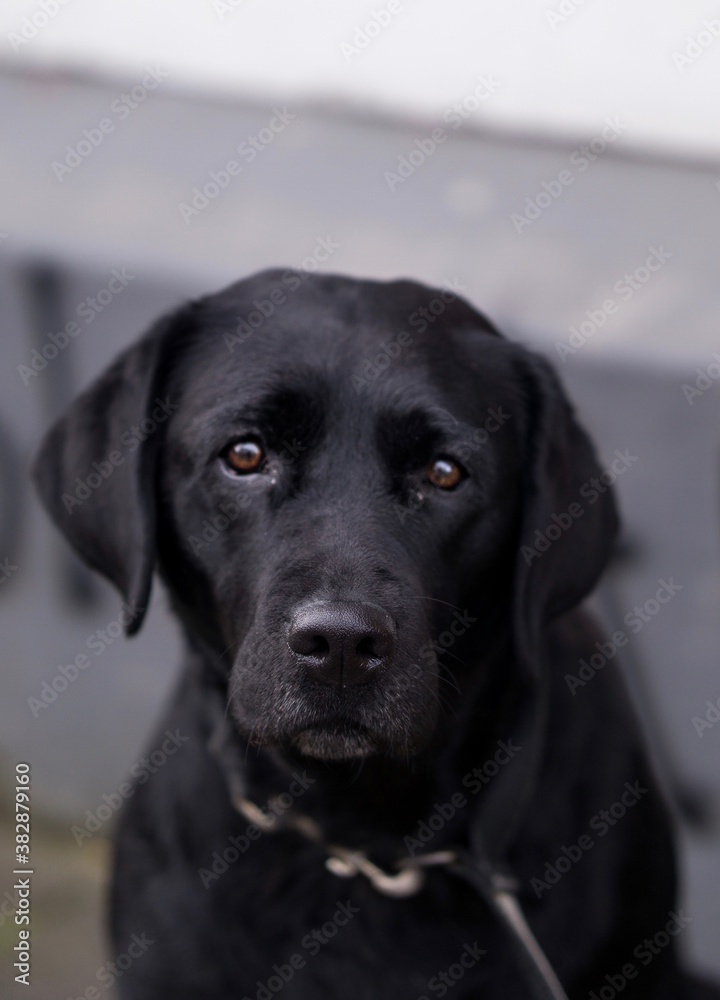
340,742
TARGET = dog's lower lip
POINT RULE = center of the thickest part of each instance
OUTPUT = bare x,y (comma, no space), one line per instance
335,740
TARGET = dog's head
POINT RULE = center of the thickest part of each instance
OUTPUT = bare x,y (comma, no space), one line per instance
359,495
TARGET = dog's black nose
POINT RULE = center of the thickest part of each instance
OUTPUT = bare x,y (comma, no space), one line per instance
342,642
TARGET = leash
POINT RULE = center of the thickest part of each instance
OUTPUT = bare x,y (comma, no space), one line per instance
500,893
497,890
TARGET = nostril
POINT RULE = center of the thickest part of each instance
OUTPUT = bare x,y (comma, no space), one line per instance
320,645
369,647
316,645
308,643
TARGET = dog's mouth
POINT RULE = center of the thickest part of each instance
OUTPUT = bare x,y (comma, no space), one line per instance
336,740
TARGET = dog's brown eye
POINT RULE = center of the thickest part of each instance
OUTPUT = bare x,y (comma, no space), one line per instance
444,473
244,456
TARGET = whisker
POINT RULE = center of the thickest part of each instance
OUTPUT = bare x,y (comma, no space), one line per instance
446,652
437,601
226,651
449,678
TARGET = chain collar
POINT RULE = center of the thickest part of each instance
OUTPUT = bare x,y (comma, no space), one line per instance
345,862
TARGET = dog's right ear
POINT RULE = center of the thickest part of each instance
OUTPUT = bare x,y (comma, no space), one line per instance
560,465
95,469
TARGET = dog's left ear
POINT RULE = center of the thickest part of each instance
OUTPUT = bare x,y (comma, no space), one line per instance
95,470
569,525
566,537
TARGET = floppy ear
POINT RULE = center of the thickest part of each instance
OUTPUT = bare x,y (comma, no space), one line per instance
95,470
569,525
566,538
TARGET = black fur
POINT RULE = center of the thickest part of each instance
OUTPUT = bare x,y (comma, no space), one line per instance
353,388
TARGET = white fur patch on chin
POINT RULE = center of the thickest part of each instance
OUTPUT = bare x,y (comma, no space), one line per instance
335,744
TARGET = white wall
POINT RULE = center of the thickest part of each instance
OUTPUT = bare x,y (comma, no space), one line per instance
554,71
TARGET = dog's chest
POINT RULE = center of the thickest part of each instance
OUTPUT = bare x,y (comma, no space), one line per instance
288,922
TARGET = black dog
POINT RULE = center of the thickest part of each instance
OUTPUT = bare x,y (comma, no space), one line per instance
375,518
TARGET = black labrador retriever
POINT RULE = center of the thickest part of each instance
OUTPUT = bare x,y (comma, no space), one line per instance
376,519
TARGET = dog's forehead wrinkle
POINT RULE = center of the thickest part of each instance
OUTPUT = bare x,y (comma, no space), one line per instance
306,357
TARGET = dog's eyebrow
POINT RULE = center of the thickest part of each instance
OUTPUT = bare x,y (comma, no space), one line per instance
416,422
279,412
408,436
